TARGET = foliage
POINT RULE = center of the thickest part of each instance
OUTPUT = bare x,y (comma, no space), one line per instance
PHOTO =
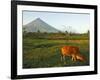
56,36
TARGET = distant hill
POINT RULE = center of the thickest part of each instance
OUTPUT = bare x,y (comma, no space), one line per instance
39,25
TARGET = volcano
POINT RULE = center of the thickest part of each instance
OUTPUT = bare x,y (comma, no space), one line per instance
39,25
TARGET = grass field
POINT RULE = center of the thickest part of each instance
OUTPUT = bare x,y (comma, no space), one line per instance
40,53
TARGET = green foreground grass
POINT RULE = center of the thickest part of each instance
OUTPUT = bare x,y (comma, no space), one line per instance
41,53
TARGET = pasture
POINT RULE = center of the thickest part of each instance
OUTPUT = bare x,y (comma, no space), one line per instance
46,52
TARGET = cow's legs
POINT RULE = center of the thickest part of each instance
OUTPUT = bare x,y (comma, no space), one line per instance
61,58
64,59
73,58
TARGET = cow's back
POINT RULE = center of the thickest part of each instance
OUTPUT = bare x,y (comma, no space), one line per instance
69,50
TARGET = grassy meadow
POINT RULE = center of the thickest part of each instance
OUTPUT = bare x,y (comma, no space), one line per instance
42,50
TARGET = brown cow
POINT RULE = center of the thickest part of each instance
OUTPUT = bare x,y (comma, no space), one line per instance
72,51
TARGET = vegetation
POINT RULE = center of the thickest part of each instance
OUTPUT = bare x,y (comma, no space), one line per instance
43,49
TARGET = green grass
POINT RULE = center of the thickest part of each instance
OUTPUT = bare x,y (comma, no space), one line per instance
40,53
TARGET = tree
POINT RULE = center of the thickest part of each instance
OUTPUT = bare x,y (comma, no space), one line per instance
88,32
68,29
66,32
24,30
38,31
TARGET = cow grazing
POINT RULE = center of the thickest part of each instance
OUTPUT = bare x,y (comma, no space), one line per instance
73,52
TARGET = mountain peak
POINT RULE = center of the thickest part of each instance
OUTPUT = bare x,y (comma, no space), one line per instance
38,20
39,24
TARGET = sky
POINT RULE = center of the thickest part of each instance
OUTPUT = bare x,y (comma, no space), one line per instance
71,22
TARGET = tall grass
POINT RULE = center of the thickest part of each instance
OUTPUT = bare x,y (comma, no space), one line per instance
40,53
